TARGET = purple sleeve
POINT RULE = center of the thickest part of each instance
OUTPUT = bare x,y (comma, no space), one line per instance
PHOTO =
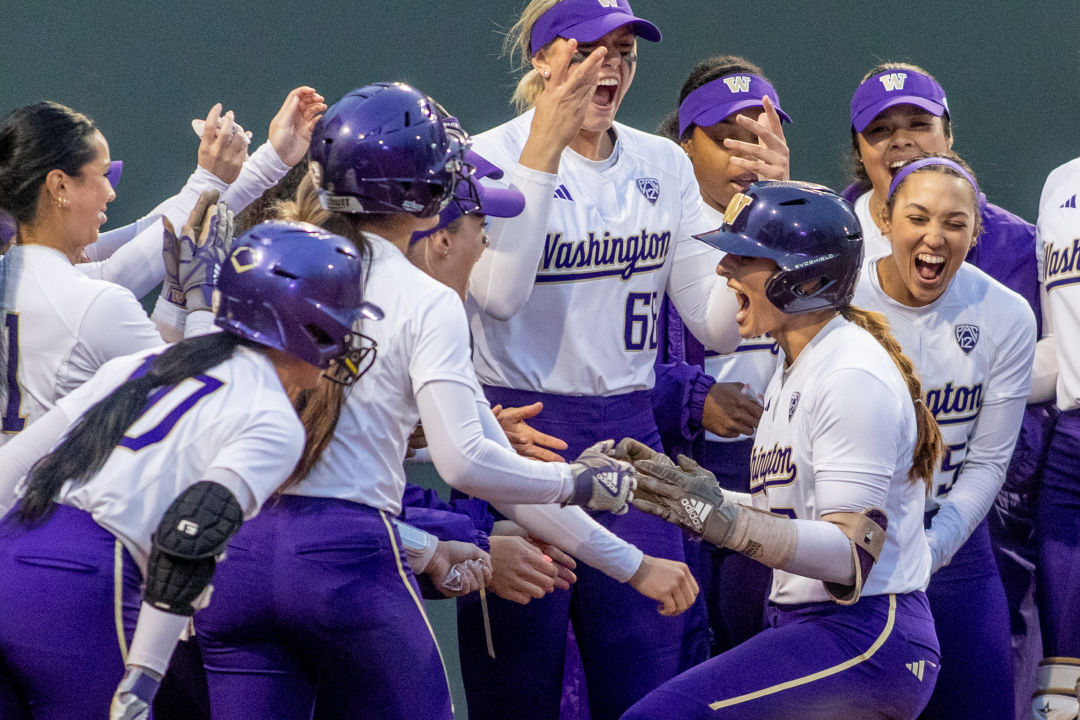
1006,252
462,520
678,396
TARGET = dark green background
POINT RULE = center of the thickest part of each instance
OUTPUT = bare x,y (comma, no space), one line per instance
143,70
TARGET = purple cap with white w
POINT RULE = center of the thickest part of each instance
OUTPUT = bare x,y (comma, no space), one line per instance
896,87
587,21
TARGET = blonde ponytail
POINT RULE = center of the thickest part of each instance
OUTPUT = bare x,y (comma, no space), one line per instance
516,46
928,443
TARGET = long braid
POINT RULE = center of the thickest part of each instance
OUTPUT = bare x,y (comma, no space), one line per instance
928,444
92,439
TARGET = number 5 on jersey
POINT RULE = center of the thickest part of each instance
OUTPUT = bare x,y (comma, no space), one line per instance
640,327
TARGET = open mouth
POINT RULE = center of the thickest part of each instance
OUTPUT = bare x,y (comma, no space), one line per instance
744,305
743,181
929,267
605,92
894,167
102,218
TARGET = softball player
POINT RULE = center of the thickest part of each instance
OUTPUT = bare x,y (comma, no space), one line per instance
897,112
189,440
972,341
386,160
1058,528
841,459
606,231
721,111
56,180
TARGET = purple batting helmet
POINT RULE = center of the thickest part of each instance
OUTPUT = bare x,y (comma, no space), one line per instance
808,230
297,288
385,149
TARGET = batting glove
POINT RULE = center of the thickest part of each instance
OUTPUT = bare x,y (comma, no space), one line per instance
135,694
204,245
170,253
601,482
686,495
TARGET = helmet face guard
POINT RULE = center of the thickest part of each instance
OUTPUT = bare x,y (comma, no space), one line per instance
810,232
385,148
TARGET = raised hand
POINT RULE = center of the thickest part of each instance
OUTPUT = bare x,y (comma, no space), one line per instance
223,145
561,107
769,158
602,482
290,130
170,254
686,495
203,246
667,581
527,440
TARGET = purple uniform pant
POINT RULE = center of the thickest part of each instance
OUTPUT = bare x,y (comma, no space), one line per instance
735,588
972,618
315,609
60,656
1057,538
627,648
875,659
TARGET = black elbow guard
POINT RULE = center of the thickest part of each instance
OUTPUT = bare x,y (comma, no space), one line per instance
193,532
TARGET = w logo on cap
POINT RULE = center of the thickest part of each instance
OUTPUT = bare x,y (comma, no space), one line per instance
608,3
893,81
737,83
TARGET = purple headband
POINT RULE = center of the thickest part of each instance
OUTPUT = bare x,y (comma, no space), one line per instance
116,169
715,100
896,87
586,21
924,162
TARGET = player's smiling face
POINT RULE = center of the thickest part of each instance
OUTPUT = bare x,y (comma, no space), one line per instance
718,178
87,195
747,276
616,74
895,136
931,228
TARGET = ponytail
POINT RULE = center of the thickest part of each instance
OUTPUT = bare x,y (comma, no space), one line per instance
91,441
319,409
928,443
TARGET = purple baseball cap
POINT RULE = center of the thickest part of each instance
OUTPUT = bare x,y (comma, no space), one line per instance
896,87
715,100
586,21
472,197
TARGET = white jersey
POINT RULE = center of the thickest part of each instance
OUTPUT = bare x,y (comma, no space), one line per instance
615,230
59,327
753,362
1057,246
874,243
235,417
423,337
972,347
842,406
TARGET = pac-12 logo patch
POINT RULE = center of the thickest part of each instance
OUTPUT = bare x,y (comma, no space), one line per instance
650,188
967,336
794,404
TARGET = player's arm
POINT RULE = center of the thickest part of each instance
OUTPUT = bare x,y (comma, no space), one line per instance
702,297
990,441
19,453
503,278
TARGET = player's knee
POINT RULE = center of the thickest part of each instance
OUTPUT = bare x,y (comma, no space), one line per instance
192,534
